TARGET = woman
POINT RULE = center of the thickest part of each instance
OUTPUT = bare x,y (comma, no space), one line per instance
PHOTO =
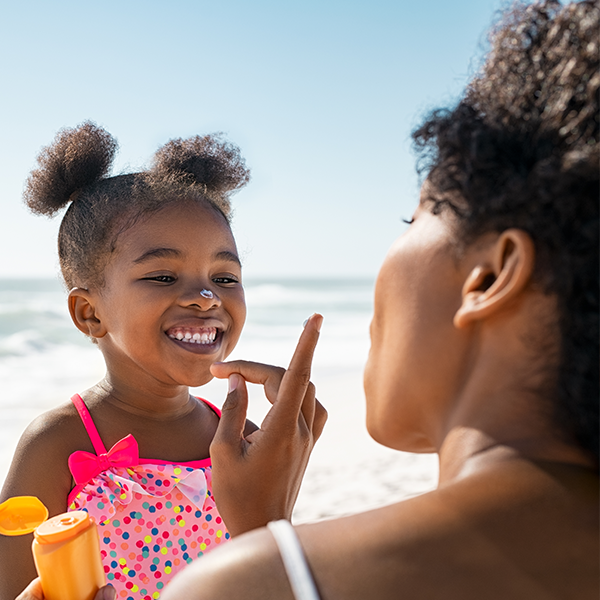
484,350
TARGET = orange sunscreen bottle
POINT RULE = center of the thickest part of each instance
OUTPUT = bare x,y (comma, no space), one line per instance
65,548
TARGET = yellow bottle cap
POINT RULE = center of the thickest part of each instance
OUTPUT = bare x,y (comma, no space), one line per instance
21,515
62,527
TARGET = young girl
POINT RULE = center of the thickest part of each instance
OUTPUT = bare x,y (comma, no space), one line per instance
155,280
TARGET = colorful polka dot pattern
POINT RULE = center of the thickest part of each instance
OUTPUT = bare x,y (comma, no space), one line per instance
152,521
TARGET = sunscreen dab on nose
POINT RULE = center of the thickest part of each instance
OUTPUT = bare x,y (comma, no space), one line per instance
66,549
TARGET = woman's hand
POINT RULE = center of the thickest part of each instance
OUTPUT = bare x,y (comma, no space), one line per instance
34,592
256,478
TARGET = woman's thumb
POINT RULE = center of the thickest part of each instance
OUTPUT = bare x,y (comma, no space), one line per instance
107,592
233,414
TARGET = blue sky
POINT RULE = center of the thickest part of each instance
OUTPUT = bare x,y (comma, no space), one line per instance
321,97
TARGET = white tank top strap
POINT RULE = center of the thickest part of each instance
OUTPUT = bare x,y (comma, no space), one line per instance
294,561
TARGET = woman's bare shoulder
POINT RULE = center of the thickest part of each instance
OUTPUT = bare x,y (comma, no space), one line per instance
346,557
532,534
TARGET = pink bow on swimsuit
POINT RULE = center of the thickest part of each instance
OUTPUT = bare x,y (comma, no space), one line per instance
85,466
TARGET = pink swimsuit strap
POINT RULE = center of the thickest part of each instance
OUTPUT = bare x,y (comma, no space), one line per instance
91,429
88,423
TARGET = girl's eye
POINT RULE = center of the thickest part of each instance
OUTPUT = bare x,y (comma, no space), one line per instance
161,278
228,279
408,222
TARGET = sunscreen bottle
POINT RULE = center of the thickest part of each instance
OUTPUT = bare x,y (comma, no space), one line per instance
65,548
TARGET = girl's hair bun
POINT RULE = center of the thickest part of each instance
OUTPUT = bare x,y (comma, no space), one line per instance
207,160
77,158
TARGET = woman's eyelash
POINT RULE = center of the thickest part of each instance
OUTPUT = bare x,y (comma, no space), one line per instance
225,280
407,221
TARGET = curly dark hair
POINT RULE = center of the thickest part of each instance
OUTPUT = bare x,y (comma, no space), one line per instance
74,169
521,149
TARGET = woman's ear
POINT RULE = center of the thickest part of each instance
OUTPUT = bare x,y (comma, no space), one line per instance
83,312
502,274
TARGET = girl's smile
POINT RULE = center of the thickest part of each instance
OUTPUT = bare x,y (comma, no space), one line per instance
202,337
194,335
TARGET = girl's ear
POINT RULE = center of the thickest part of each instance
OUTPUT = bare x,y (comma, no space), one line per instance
501,275
83,312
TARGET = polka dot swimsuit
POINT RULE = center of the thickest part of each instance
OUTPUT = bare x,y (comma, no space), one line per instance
154,517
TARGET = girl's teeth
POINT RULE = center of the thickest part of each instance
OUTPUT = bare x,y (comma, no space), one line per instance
194,338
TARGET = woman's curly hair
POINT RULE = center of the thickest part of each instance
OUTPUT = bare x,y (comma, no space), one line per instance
521,149
74,169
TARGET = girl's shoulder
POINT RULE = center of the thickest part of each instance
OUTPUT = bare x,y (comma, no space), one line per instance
60,428
40,463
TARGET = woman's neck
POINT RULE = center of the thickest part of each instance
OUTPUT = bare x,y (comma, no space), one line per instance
468,450
500,408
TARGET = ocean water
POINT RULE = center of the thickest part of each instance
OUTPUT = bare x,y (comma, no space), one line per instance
44,359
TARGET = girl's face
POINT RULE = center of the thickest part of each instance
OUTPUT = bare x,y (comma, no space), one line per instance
415,354
160,324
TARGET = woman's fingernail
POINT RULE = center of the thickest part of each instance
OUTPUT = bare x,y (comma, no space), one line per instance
232,382
318,322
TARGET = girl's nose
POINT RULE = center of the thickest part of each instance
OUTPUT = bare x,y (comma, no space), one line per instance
204,298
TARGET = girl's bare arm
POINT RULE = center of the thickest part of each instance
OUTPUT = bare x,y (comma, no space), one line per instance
39,468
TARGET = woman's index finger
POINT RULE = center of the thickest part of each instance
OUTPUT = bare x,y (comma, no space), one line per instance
297,377
305,348
301,362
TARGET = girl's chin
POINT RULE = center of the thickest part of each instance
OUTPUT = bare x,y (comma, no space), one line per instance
191,378
199,381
